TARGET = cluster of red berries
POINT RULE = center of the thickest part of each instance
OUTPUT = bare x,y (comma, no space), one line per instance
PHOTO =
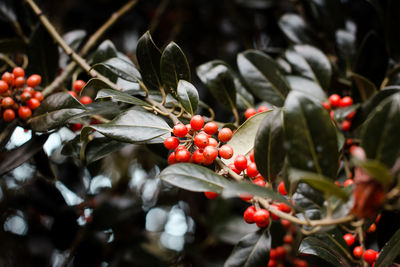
278,255
77,88
252,111
17,94
335,101
369,255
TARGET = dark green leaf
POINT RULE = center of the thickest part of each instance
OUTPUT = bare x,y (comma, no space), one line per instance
340,114
220,82
106,50
307,87
263,76
318,182
311,141
7,12
55,111
377,170
174,67
365,87
389,252
8,46
346,48
269,153
188,96
296,29
120,68
251,251
43,55
74,38
379,133
132,126
120,97
101,147
149,56
243,139
318,63
315,246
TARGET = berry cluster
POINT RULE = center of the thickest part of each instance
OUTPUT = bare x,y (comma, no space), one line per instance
252,111
77,88
18,96
335,101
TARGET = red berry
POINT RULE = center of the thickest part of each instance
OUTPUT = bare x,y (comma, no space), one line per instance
300,263
282,189
240,162
358,252
3,87
25,96
197,122
180,130
370,256
280,252
225,134
250,112
212,142
271,263
182,155
346,125
226,152
261,218
8,78
334,100
246,197
24,113
233,168
211,128
252,170
349,238
171,142
273,216
34,80
378,218
171,158
259,181
346,101
248,214
252,155
19,82
351,115
8,115
86,100
372,228
288,239
262,109
201,140
198,156
33,103
78,85
38,95
285,223
7,102
210,152
272,254
326,105
348,182
18,72
211,195
75,126
72,93
284,207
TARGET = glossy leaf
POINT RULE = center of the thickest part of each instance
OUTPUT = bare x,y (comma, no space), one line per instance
149,56
262,75
132,126
120,68
252,250
365,87
317,247
174,67
188,96
311,141
318,182
389,252
101,147
379,133
7,11
346,48
104,51
120,97
307,87
55,111
269,153
295,29
243,139
378,171
220,82
340,114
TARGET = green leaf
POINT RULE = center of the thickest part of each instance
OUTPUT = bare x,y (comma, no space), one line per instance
311,140
188,96
318,63
365,87
104,51
120,68
377,170
296,29
55,111
243,139
327,251
251,251
389,252
307,87
319,182
340,114
101,147
149,56
263,76
269,153
379,133
220,82
174,67
43,55
7,11
120,97
346,48
132,126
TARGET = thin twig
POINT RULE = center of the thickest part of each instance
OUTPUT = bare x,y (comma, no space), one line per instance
233,174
